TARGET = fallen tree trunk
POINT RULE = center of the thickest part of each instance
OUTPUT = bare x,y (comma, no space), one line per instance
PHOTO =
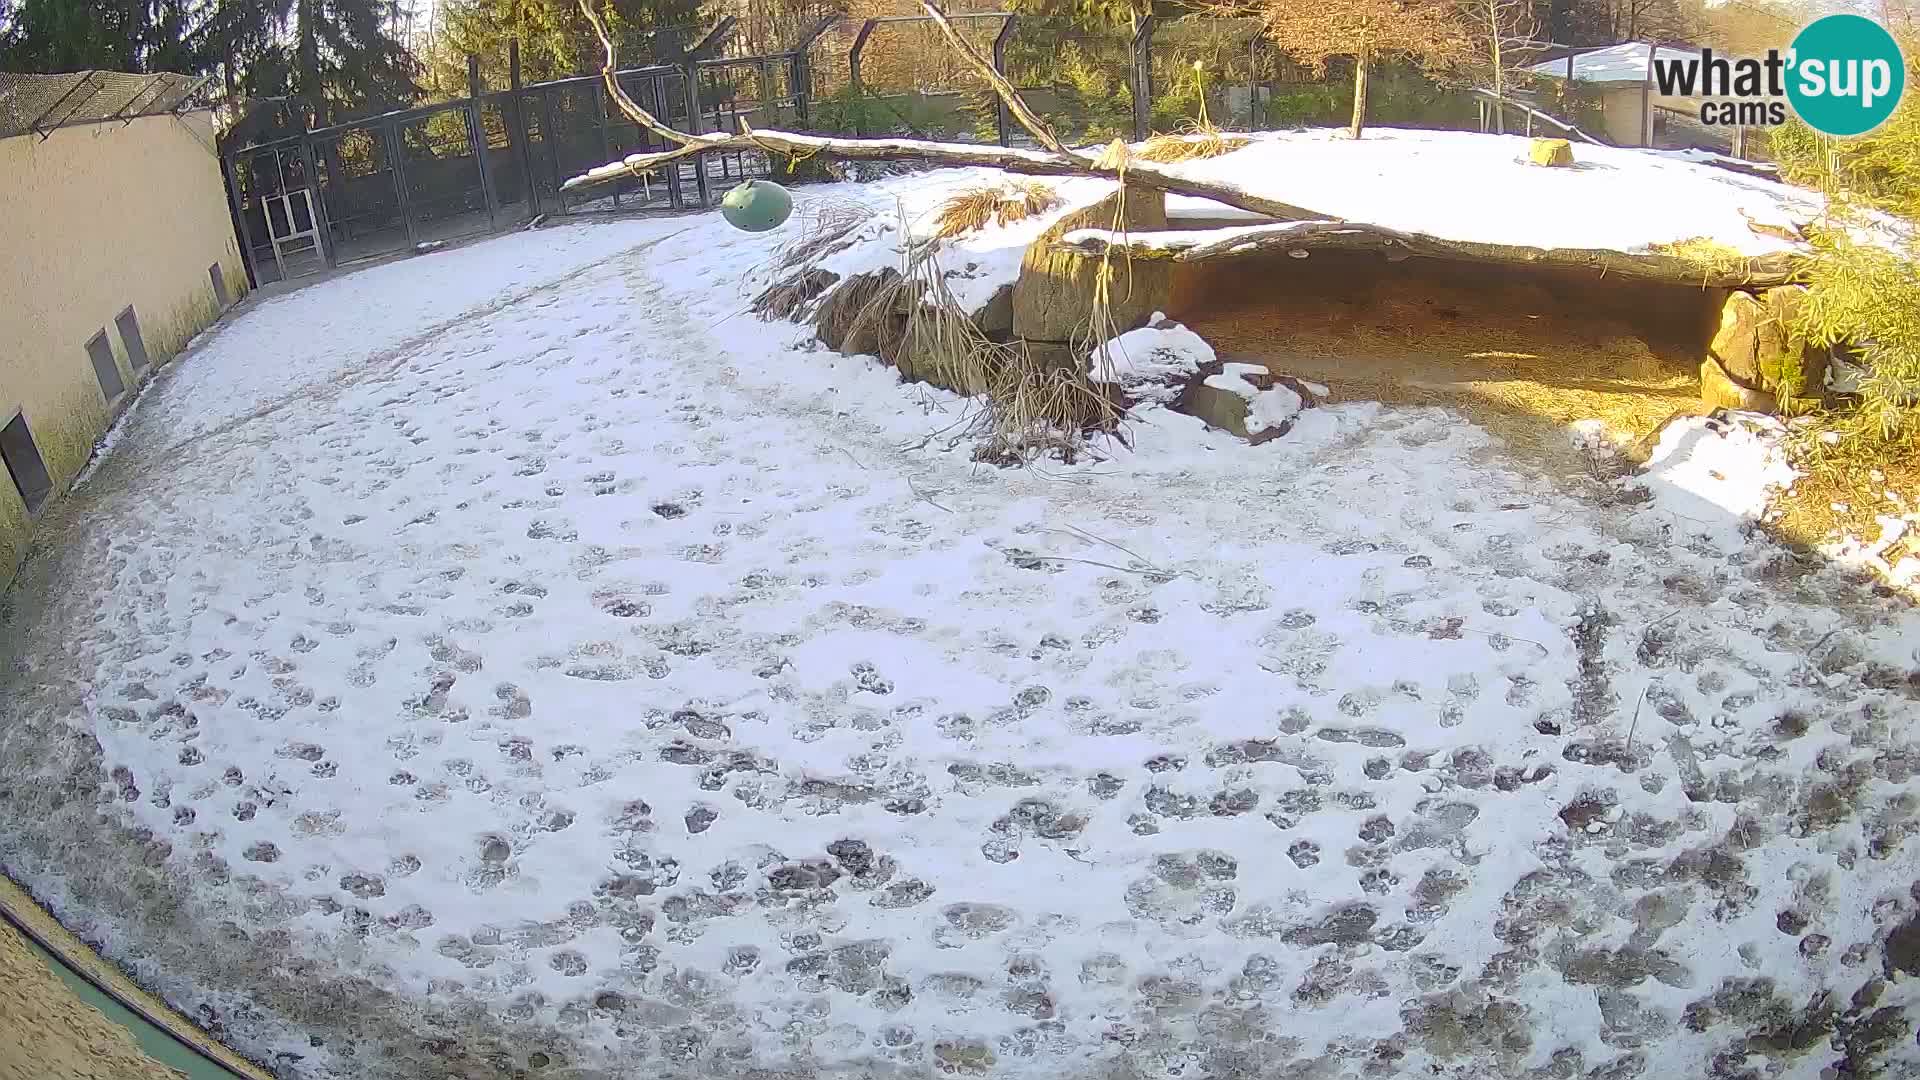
1308,236
1011,159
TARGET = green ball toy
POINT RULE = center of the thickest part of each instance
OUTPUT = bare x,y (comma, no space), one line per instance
756,206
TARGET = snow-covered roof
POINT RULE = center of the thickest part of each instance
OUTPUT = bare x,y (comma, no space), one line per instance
1465,186
1615,63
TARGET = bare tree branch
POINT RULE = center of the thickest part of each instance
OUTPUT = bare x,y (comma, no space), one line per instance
1015,103
627,105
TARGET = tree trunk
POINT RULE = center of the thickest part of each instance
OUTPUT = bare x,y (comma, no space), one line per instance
308,64
1499,91
1360,63
1139,173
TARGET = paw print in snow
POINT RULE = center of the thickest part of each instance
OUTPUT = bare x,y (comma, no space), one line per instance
866,677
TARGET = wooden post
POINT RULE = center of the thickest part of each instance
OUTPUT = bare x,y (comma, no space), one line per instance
1142,78
1360,63
1646,99
1002,120
853,77
1253,82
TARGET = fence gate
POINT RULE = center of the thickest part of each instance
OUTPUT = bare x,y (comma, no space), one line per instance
281,228
446,190
292,227
360,193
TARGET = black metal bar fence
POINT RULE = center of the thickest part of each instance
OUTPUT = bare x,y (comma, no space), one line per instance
497,158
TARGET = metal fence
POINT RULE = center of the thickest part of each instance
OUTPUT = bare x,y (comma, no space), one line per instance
42,104
500,157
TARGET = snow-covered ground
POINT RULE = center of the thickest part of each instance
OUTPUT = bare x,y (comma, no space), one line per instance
1458,185
1475,188
520,658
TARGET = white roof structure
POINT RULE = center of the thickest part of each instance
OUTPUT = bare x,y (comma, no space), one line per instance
1615,63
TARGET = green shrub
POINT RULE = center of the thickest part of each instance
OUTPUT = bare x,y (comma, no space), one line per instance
1880,168
1861,294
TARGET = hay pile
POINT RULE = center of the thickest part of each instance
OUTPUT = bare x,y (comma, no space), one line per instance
790,297
1199,144
992,204
1029,398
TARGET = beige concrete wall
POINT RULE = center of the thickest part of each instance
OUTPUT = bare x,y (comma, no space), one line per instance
92,219
1623,114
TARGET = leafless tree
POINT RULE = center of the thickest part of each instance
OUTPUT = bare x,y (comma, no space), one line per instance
1499,29
1428,32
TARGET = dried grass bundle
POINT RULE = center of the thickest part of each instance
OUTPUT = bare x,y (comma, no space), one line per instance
1004,204
1199,144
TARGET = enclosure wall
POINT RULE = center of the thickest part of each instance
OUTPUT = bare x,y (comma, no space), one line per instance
95,219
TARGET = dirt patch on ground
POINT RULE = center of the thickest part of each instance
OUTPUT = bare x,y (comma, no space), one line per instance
1524,353
1846,497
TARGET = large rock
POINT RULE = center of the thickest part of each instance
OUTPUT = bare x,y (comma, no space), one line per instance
1757,349
857,317
1246,400
995,320
1743,322
1800,368
1053,298
1722,392
1218,407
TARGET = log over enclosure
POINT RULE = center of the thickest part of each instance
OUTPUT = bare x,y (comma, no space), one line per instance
1308,236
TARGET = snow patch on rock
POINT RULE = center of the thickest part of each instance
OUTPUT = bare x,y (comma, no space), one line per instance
1151,364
